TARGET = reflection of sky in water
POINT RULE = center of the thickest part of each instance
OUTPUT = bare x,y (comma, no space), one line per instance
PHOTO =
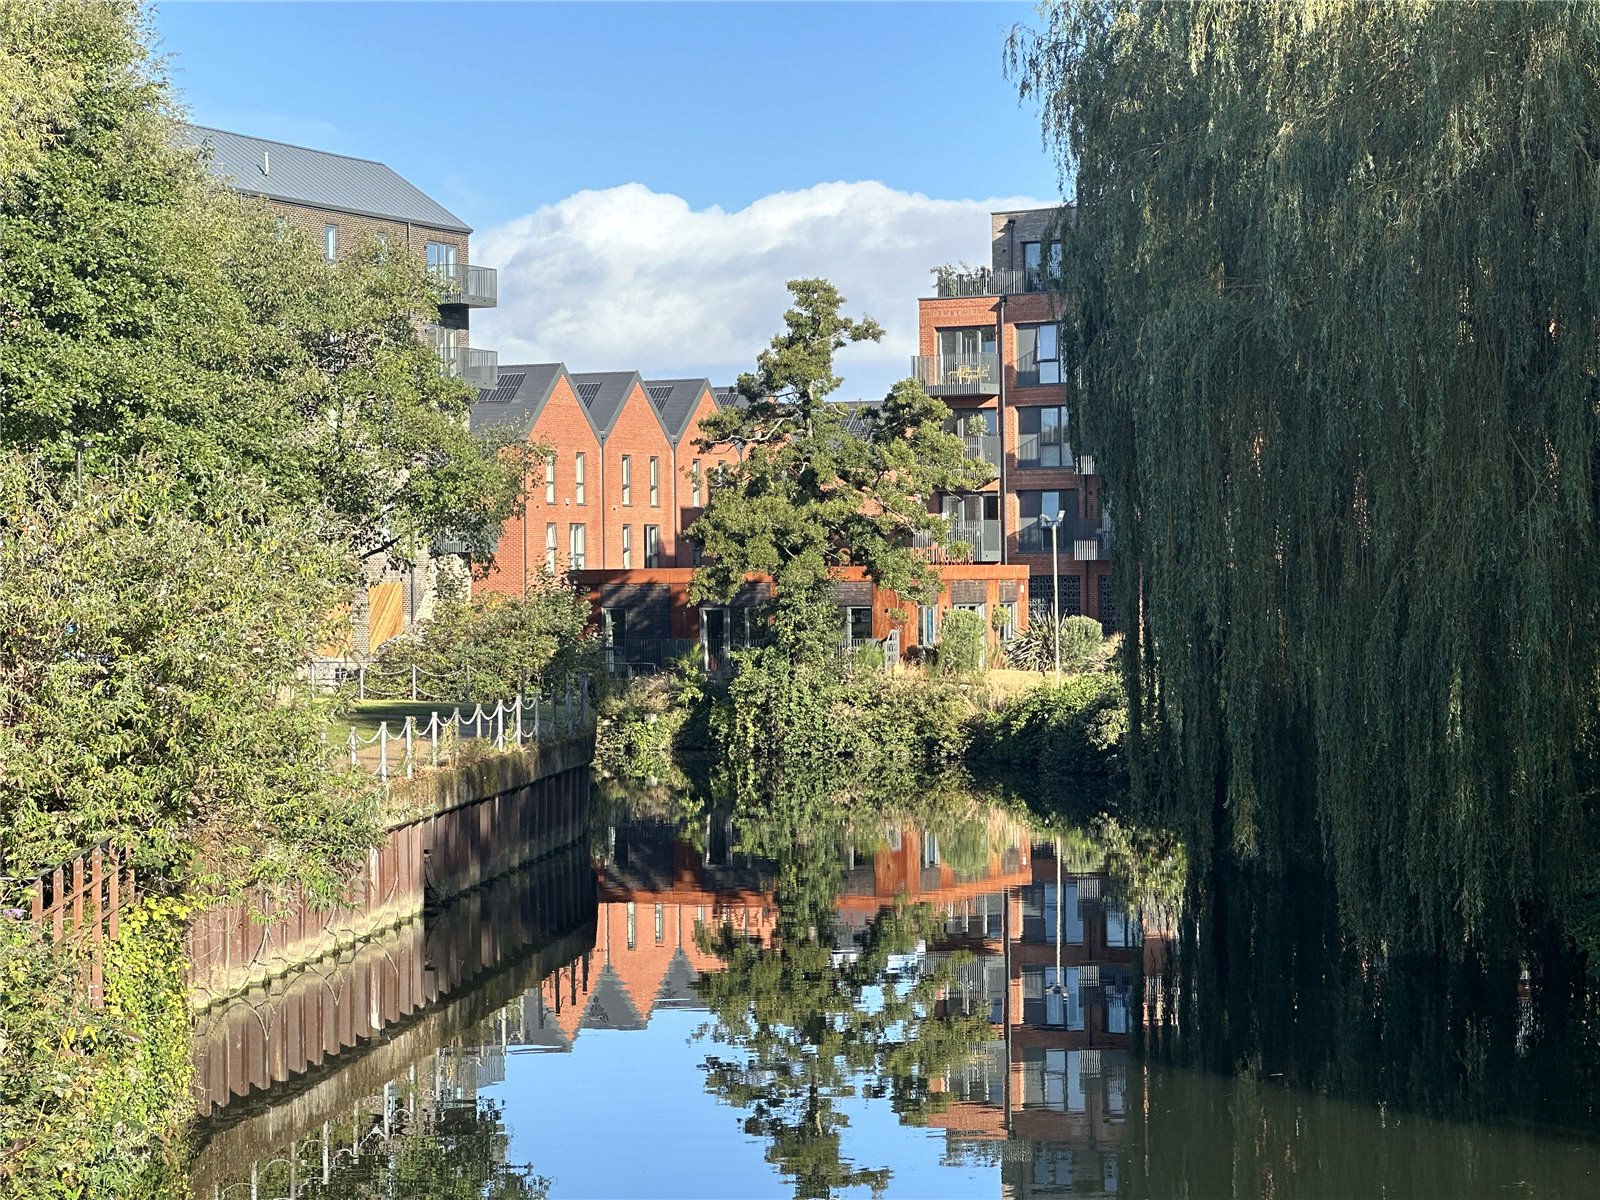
627,1114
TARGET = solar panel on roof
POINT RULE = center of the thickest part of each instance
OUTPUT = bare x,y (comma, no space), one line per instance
504,390
588,391
660,392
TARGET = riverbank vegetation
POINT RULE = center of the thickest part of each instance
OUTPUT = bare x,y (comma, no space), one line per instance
207,435
1331,285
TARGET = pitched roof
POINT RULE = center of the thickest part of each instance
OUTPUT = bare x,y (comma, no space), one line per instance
856,414
604,395
610,1006
317,178
518,397
675,400
724,396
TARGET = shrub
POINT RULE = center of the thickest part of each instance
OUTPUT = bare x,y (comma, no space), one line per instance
1083,645
1076,728
962,641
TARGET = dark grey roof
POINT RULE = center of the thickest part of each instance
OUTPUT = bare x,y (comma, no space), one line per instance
675,400
317,178
518,397
855,413
604,393
610,1006
677,990
724,396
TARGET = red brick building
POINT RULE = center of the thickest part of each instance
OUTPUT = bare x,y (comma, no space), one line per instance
990,348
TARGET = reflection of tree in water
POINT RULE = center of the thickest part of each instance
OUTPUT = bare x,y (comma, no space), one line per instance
445,1151
813,1026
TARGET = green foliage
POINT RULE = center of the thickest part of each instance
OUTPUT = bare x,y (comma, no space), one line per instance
807,493
89,1098
962,644
1076,728
147,688
1084,646
489,646
645,731
1334,288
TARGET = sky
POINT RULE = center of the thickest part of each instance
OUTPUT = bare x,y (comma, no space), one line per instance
647,176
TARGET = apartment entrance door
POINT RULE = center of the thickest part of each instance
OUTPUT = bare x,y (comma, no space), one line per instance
716,639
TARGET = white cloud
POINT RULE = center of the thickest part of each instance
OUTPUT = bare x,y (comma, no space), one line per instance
631,279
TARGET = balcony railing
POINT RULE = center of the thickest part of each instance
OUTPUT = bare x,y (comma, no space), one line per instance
988,282
958,375
982,536
1081,539
1036,451
476,287
985,447
472,366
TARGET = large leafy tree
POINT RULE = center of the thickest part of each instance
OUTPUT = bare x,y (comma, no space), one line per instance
1336,286
147,311
816,485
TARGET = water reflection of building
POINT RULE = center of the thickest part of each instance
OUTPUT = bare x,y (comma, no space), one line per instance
1057,963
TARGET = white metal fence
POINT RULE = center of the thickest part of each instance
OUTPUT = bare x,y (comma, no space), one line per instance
400,746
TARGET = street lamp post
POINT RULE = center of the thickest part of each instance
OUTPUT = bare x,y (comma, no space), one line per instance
1054,526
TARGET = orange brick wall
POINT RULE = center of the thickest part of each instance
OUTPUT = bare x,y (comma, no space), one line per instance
563,425
638,433
686,453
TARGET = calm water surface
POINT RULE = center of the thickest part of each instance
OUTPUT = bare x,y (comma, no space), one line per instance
966,1002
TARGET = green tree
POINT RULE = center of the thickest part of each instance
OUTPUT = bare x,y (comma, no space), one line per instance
147,687
1334,291
809,493
148,311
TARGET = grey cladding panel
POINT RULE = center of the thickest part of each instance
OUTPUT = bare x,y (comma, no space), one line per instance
648,607
853,595
1008,590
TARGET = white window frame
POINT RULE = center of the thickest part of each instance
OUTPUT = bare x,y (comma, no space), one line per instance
655,482
578,478
577,546
627,547
627,480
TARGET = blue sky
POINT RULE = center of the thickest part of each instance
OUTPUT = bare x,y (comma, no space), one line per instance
696,130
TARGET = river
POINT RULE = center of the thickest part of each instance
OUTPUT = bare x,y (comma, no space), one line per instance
948,999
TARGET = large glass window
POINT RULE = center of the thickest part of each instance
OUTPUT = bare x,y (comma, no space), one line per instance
578,477
1038,354
550,536
1032,536
576,537
1041,265
652,545
966,343
549,478
1047,1002
330,242
1042,437
655,482
627,546
858,625
627,479
694,474
442,262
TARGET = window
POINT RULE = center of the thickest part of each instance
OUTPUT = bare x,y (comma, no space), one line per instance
330,242
442,263
927,625
1042,440
1008,618
575,546
655,482
577,476
633,928
1033,507
627,479
549,478
1041,265
1038,355
613,626
1046,1003
1041,918
661,924
627,546
694,474
858,625
550,547
652,545
966,344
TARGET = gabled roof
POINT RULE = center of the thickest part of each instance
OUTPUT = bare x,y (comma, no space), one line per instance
675,401
298,175
856,414
610,1006
677,989
518,397
605,394
724,396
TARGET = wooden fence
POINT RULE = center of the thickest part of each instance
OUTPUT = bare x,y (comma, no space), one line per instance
82,902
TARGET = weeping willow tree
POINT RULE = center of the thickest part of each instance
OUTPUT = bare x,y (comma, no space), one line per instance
1333,280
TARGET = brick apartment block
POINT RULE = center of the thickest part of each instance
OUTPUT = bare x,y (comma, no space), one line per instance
340,202
989,348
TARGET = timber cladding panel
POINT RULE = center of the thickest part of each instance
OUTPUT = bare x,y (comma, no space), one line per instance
969,591
385,613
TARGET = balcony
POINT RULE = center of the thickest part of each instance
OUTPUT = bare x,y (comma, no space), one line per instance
985,447
958,375
474,367
982,536
1081,539
950,285
476,287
